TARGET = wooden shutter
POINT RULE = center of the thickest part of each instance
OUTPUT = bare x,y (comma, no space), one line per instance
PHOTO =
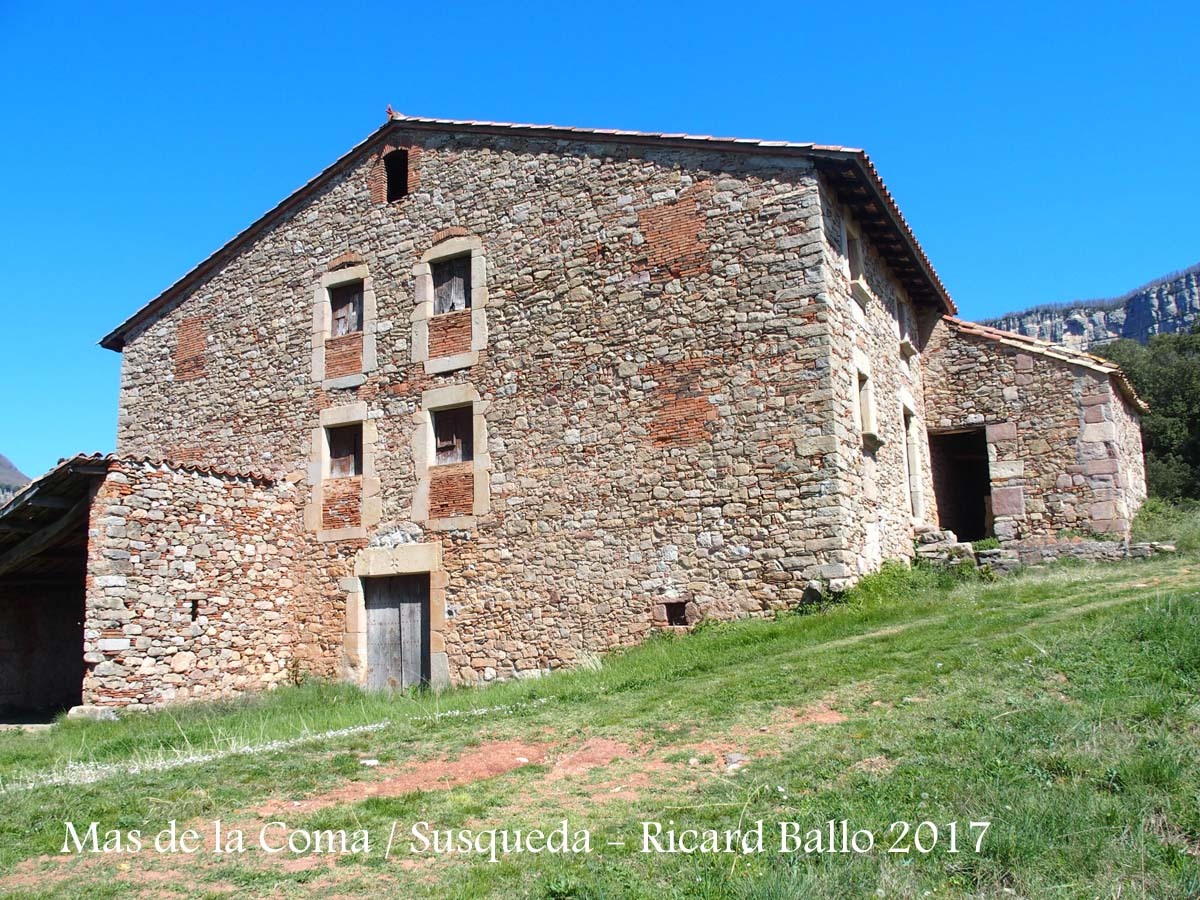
452,284
346,302
345,451
452,435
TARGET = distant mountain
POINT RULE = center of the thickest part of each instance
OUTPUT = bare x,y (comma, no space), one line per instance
11,479
1168,304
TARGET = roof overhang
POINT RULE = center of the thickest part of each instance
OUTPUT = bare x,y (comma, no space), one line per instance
849,171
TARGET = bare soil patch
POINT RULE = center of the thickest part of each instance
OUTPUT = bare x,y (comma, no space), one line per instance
593,754
486,761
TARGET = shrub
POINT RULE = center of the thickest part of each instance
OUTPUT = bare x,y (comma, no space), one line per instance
1161,520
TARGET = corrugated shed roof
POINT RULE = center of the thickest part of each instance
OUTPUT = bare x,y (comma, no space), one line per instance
849,169
1053,351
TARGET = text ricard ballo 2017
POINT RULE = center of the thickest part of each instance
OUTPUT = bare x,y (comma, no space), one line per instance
420,839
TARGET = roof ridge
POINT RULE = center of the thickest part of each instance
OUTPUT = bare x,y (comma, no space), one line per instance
623,132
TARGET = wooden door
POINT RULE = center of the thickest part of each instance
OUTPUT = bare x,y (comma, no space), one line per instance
397,631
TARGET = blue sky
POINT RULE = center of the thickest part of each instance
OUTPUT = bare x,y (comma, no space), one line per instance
1042,152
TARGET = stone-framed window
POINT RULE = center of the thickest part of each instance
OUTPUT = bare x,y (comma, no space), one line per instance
854,250
906,331
449,320
344,323
864,403
451,284
913,458
344,491
450,452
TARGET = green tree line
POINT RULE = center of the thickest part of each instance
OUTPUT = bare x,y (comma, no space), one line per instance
1166,373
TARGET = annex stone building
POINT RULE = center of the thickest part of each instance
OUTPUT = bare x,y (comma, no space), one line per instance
481,400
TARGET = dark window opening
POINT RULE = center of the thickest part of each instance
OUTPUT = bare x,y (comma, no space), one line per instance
345,451
676,613
452,435
395,166
962,483
346,302
451,284
195,610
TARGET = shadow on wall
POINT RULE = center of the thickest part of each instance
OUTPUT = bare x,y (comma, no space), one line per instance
41,648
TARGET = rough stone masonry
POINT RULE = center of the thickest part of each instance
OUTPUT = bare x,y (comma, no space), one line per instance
584,385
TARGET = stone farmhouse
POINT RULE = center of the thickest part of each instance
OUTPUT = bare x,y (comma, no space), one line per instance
482,399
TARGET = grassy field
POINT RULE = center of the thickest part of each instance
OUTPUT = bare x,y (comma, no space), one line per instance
1061,707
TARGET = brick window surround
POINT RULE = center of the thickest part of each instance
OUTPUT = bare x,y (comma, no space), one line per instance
452,496
344,361
343,508
452,340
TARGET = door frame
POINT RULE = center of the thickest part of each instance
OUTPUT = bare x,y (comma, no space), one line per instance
407,559
407,597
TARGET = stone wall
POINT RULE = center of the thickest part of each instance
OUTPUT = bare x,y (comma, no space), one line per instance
197,588
665,376
1064,449
874,513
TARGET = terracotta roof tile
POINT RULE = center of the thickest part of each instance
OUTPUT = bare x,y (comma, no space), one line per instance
1053,351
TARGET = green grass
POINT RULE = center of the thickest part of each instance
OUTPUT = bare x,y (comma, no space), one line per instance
1061,706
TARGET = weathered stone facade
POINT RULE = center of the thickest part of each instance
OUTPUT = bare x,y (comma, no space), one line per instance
664,418
1063,440
591,385
196,587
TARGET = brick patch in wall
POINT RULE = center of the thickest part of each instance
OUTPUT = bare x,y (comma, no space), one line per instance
451,490
343,355
450,334
190,341
452,231
343,260
342,503
186,453
681,409
674,245
377,174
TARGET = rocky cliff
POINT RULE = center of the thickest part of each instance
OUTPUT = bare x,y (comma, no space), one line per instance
11,479
1165,305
